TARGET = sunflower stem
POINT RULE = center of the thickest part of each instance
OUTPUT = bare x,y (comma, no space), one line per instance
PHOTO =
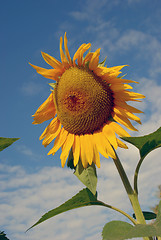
136,175
133,197
120,211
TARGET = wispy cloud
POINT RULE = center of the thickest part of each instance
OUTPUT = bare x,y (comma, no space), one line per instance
27,151
31,88
142,45
89,11
25,197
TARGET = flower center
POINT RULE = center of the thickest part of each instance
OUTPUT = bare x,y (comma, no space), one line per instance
84,101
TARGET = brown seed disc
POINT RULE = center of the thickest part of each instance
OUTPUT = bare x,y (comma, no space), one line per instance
84,101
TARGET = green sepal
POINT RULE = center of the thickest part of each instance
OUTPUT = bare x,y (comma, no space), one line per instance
70,163
119,230
147,215
102,64
87,64
88,176
6,142
53,85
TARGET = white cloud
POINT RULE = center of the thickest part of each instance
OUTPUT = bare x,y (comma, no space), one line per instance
31,88
26,151
151,118
141,45
26,197
90,11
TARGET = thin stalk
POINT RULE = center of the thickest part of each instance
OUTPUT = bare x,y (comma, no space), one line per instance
131,194
136,175
120,211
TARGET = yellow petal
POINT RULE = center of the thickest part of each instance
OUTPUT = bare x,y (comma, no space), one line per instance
121,144
127,114
94,60
40,117
53,133
116,69
46,111
96,156
119,130
79,53
89,148
76,149
110,135
103,145
82,51
128,96
115,80
62,55
110,150
119,87
66,148
123,120
66,49
100,144
124,105
48,73
87,57
112,71
52,61
52,124
134,94
84,155
60,139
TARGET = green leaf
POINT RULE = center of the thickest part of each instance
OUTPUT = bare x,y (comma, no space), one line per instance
146,143
3,236
6,142
82,199
118,230
88,176
147,215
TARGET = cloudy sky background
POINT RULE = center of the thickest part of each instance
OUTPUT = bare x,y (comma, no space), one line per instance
32,183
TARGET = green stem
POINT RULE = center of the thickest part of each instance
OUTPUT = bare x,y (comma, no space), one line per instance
119,210
133,197
136,175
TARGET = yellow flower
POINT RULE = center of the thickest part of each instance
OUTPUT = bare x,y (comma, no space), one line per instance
86,106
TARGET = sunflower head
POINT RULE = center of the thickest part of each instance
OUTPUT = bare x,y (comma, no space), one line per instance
84,103
86,106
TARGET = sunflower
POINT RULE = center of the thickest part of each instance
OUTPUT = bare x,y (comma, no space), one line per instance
86,106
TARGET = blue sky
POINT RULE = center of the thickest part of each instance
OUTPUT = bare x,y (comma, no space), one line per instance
128,32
